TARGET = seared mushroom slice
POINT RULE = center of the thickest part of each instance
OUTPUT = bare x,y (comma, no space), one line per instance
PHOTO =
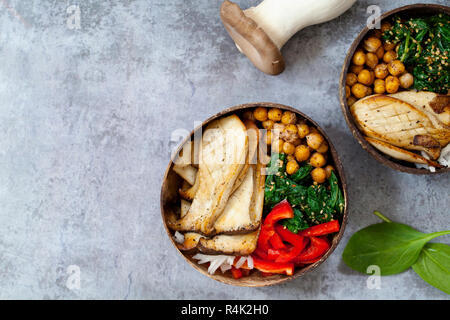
401,154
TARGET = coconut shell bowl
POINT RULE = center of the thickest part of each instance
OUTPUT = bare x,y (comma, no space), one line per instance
170,201
410,11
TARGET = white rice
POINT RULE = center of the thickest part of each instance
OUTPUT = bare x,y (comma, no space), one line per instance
222,261
179,237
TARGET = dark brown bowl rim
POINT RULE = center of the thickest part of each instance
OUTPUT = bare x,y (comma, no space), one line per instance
277,279
346,111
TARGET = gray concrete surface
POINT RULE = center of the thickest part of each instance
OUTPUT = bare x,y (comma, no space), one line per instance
86,117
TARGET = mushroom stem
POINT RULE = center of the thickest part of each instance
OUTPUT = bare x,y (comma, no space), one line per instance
268,12
260,32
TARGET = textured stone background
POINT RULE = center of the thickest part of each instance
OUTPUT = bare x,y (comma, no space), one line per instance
86,117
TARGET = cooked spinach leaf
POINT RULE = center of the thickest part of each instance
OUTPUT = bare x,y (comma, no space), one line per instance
424,47
313,204
302,174
297,223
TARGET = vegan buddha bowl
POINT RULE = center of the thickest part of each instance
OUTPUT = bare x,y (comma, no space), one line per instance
395,86
255,196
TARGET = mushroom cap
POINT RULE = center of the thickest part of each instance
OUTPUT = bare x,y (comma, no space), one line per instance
251,40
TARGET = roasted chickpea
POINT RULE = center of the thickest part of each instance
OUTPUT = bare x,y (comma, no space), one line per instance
288,117
359,58
323,147
278,127
356,69
369,91
328,169
347,92
302,130
396,67
275,114
292,167
289,133
290,157
379,86
313,130
389,56
288,148
381,71
268,124
269,137
317,160
388,46
371,44
277,145
297,142
314,140
351,100
260,114
406,80
359,90
380,53
371,60
302,153
372,74
365,77
291,128
319,175
351,79
392,84
385,26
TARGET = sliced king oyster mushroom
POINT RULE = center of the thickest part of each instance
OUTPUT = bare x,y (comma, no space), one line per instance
398,123
401,154
223,152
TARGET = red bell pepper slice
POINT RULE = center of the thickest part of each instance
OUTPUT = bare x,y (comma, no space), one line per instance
237,273
326,239
282,210
277,242
273,254
304,262
264,236
316,249
299,243
321,229
261,254
289,236
273,267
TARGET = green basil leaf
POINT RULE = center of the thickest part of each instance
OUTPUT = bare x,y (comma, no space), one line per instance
433,265
393,247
